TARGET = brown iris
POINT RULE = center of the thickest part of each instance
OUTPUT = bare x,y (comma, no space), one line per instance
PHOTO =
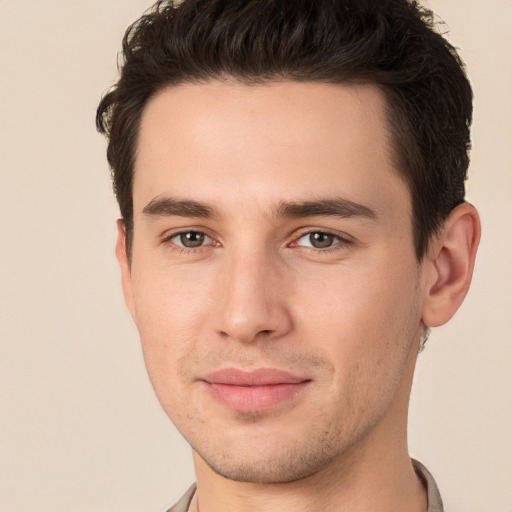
321,240
192,239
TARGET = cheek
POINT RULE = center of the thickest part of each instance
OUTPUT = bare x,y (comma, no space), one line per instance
364,322
169,313
169,302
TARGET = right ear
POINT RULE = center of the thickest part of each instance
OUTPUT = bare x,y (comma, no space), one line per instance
124,264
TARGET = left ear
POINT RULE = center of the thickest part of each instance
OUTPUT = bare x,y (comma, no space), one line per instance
450,263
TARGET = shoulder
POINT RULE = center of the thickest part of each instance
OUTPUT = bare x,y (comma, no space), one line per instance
435,503
183,504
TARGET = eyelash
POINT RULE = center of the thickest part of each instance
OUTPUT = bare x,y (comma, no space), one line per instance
342,242
339,243
167,240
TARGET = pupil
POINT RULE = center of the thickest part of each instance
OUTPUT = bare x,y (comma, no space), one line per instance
321,240
192,239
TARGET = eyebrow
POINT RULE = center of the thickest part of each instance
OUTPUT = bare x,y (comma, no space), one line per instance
167,206
335,207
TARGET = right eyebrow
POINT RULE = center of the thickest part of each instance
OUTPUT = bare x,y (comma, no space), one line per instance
167,206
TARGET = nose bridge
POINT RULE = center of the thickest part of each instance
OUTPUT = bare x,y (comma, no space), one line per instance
252,304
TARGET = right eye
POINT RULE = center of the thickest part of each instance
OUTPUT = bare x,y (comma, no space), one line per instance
190,239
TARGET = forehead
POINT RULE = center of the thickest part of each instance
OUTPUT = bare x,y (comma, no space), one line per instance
229,142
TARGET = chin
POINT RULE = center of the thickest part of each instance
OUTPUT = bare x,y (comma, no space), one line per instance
266,472
271,463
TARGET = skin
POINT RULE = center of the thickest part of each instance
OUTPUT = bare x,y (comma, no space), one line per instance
223,162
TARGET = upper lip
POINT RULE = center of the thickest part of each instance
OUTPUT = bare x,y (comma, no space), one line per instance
257,377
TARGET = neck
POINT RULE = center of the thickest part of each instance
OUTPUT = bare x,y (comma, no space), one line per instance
388,485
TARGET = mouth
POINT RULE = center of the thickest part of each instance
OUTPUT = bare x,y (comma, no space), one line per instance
253,391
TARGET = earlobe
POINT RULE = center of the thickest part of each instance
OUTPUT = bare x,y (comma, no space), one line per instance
124,264
451,261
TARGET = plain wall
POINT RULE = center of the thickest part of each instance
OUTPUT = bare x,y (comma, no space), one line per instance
80,429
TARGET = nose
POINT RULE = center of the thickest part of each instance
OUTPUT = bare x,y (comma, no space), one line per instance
253,302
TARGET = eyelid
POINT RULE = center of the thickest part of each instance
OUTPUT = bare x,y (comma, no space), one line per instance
166,238
344,239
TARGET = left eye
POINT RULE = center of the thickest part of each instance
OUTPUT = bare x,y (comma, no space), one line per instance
318,240
190,239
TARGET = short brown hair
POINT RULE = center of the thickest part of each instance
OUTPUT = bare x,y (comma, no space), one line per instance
393,44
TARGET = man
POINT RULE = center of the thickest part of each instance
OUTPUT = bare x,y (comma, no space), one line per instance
291,177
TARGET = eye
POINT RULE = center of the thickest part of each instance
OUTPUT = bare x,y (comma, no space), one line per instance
319,240
190,239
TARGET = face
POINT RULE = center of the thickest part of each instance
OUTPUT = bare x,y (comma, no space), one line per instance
273,278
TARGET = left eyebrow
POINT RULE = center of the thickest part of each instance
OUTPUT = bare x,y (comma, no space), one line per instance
336,207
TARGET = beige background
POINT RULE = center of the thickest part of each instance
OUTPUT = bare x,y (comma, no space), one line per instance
80,429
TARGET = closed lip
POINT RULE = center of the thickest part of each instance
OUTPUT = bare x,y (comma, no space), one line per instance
256,390
257,377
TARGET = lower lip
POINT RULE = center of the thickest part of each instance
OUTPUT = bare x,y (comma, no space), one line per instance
254,398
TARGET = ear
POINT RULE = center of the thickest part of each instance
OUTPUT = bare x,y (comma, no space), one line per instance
450,264
124,264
